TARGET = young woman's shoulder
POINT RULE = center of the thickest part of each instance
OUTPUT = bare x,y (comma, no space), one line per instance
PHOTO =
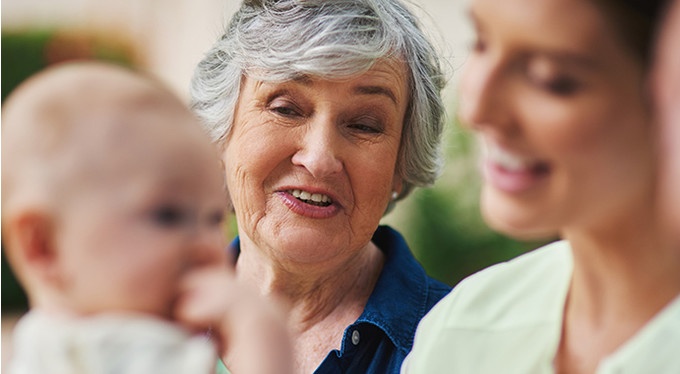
489,322
505,292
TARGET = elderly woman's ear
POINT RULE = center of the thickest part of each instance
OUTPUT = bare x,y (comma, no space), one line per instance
397,188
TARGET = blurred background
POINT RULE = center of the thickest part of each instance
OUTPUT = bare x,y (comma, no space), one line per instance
168,37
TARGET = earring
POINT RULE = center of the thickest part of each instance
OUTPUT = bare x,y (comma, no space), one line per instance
395,194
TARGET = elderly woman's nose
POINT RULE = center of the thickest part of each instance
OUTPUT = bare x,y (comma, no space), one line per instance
318,150
482,95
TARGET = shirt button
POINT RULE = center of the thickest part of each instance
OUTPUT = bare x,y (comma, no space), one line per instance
355,337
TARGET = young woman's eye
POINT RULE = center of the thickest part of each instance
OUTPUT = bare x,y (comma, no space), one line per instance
561,86
547,76
478,45
169,216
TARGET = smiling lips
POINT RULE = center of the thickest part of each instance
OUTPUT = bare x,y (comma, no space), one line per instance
311,198
511,172
308,204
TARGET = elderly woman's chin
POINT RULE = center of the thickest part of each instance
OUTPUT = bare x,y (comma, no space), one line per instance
299,239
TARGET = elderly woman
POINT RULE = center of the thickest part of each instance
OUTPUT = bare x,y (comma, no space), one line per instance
327,112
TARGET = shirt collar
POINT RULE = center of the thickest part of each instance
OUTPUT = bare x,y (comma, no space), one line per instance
399,299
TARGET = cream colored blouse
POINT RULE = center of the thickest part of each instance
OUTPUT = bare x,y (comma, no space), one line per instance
508,319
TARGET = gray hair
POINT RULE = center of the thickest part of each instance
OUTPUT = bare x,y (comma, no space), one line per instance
285,39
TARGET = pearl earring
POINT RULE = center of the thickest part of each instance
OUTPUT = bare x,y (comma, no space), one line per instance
395,194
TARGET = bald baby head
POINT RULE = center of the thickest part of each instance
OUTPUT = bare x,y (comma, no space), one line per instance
63,124
93,155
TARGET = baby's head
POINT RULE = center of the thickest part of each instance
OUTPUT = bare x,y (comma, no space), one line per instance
110,191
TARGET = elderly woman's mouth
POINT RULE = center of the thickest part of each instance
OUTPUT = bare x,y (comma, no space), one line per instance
311,198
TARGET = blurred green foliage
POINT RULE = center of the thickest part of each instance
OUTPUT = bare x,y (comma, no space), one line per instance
24,53
22,56
448,245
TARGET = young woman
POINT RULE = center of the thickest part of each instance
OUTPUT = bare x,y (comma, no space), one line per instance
556,90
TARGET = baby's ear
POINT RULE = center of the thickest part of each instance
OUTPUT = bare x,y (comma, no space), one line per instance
31,246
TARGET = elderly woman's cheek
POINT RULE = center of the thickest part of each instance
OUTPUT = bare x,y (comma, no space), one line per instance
244,197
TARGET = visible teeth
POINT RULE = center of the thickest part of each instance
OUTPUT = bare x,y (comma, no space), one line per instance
506,159
510,162
306,196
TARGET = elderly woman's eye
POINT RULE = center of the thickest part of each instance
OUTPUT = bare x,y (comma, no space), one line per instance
365,125
286,111
365,128
284,108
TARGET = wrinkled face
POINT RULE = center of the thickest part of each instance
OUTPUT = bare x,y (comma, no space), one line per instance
556,101
311,163
149,215
667,87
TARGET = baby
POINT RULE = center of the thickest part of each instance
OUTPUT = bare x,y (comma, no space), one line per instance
113,204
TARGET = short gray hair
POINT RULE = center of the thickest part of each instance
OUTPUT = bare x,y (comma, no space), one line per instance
328,39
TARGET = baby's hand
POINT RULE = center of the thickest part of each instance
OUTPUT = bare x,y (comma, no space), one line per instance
249,331
205,297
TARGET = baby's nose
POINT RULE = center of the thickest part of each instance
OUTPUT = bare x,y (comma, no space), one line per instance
207,247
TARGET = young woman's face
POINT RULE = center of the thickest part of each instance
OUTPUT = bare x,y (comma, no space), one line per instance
557,102
311,163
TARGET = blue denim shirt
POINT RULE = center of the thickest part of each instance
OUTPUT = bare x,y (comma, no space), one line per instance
379,340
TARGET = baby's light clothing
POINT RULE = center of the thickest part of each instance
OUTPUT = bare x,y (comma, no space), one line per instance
107,344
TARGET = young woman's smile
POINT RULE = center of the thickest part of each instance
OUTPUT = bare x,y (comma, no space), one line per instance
559,113
510,171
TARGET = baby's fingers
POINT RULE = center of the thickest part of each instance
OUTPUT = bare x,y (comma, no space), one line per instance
204,297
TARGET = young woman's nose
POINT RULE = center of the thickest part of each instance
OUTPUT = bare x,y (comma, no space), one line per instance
318,149
483,97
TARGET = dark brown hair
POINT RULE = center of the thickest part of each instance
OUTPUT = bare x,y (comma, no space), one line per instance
636,22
